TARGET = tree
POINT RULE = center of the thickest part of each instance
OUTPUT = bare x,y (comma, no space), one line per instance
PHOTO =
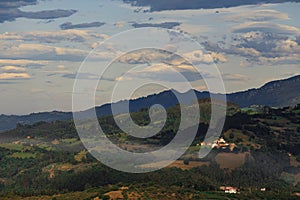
186,161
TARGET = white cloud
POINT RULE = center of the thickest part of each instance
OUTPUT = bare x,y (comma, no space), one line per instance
10,68
40,53
287,46
207,58
61,67
71,35
22,62
245,51
256,15
290,59
265,27
149,56
8,76
121,78
144,56
235,77
262,43
163,72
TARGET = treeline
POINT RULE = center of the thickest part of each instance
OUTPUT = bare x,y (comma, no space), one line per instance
206,178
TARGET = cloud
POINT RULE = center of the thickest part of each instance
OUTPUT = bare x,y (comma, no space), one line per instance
12,69
9,11
265,27
155,5
261,48
168,25
243,51
290,59
256,15
207,58
148,56
53,36
144,56
16,4
69,25
21,48
270,48
61,67
10,72
48,14
235,77
87,76
40,52
23,63
48,53
10,76
163,72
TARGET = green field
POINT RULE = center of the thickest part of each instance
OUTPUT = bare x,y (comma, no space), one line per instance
10,146
23,155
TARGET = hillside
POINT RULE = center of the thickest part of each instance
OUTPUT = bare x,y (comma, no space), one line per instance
48,159
276,93
10,121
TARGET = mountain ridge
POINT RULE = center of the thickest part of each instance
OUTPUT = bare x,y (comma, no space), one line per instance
277,93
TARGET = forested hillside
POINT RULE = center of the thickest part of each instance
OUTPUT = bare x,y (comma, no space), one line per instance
48,159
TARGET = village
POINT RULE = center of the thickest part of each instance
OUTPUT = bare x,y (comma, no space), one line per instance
219,144
222,144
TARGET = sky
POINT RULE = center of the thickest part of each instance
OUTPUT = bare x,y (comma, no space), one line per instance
43,45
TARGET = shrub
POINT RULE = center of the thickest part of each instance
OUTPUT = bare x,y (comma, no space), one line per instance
186,161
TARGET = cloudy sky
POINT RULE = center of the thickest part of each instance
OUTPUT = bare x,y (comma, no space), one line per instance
43,44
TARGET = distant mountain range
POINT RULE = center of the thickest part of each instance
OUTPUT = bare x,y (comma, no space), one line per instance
277,93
